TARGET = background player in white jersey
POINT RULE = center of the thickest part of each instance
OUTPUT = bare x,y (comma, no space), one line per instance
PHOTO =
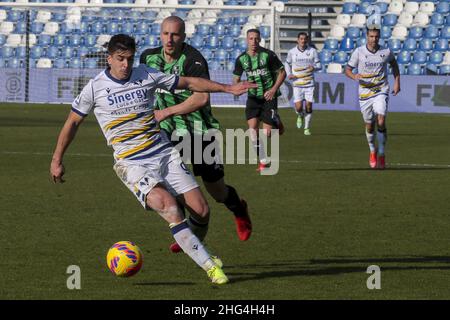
301,62
121,98
371,62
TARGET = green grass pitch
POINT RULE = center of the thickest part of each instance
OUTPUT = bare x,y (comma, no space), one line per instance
318,224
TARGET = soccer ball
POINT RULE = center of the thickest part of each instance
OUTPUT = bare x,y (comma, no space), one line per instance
124,259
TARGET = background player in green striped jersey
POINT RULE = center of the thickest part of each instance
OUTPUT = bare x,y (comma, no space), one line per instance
264,68
186,112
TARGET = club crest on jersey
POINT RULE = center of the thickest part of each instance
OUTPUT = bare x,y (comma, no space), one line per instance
108,90
138,82
176,70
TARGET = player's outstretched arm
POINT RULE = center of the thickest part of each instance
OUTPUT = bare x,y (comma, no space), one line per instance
195,102
65,137
204,85
349,73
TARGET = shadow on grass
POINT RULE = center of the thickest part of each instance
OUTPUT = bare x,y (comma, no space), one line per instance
164,283
388,169
336,266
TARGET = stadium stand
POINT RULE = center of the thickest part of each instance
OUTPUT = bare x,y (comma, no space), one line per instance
418,32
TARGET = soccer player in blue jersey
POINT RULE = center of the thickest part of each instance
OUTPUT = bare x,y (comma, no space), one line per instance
122,99
371,61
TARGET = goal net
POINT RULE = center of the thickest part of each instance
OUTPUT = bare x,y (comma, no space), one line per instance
49,51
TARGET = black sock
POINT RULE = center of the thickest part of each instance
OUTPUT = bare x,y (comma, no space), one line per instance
233,202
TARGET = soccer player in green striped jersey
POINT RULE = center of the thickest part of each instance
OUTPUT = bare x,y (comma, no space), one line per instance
182,111
264,68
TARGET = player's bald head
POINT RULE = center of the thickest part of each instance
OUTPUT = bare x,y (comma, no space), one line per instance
175,21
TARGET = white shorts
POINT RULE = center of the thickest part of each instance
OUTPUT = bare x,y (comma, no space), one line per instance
166,168
370,108
301,94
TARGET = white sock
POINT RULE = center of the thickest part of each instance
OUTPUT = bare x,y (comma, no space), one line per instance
258,146
199,229
191,245
371,141
381,135
308,117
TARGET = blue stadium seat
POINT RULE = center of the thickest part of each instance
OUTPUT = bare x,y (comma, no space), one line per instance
221,55
36,52
2,39
112,27
7,52
234,54
143,28
37,27
75,63
21,27
74,40
414,69
59,63
404,57
441,45
383,6
436,57
444,69
58,16
229,66
14,63
218,30
127,28
410,44
415,33
203,30
226,21
234,30
212,42
90,40
361,41
394,44
207,54
151,40
445,32
97,28
241,19
364,8
82,51
90,63
242,44
53,52
156,29
443,7
59,40
426,44
149,15
67,52
346,44
2,63
197,41
389,19
265,32
402,68
331,44
437,19
325,56
340,57
431,32
420,57
349,8
227,43
353,32
15,16
21,52
432,67
385,32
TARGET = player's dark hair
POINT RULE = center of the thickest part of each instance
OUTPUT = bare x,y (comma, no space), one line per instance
372,29
255,31
302,34
121,42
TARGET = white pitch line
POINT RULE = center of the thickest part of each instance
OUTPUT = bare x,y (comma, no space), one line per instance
424,165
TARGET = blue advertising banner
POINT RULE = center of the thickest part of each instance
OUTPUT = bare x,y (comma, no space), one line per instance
333,91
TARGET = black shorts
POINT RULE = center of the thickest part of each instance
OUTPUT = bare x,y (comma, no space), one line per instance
209,172
266,111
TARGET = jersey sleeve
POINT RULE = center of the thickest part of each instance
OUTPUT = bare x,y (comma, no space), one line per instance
238,70
274,62
84,103
288,63
167,82
196,67
353,61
